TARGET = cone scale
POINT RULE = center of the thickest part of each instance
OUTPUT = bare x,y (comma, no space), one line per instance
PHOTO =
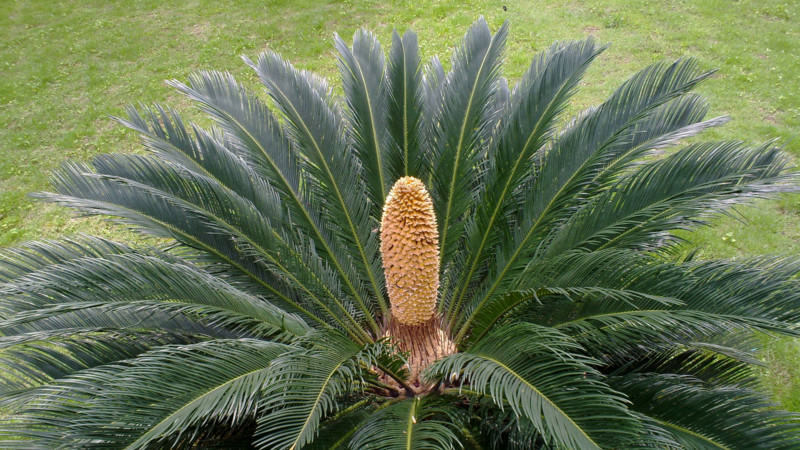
410,254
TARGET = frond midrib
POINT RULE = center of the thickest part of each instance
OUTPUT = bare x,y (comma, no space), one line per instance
373,128
534,227
405,107
692,433
316,401
410,426
238,266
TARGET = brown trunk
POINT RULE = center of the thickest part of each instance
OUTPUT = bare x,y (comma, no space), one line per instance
424,343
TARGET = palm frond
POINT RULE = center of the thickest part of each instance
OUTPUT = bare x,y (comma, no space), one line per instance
32,359
315,123
406,113
466,93
544,378
337,432
713,364
240,239
538,101
253,231
257,137
698,416
548,305
162,396
610,335
210,154
411,424
33,255
677,192
135,277
366,92
759,287
304,387
578,155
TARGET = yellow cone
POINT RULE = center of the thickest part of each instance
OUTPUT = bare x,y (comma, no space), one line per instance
410,251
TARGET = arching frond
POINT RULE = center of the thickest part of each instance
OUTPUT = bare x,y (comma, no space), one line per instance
699,416
259,140
678,192
34,255
130,278
577,156
544,378
363,72
304,387
316,125
337,432
165,393
411,424
30,360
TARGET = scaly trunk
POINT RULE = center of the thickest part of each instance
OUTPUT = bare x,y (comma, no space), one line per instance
410,253
424,343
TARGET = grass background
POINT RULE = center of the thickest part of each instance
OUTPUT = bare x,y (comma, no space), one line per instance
66,66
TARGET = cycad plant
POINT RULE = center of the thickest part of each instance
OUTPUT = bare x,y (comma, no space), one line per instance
432,260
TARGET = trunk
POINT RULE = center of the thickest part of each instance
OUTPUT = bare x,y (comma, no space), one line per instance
424,344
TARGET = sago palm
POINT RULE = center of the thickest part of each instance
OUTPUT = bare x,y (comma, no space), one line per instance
432,260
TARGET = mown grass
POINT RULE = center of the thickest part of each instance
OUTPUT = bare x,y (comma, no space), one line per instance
67,66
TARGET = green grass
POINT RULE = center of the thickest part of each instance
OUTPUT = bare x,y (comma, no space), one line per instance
65,67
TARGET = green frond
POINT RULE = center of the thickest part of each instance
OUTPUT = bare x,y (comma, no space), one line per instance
756,293
548,303
465,95
427,423
538,101
260,141
711,363
337,432
544,378
757,287
363,73
162,394
29,360
577,156
199,216
406,115
700,416
305,385
682,191
316,125
33,255
610,335
136,277
207,154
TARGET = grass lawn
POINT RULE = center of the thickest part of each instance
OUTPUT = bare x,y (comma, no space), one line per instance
65,67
